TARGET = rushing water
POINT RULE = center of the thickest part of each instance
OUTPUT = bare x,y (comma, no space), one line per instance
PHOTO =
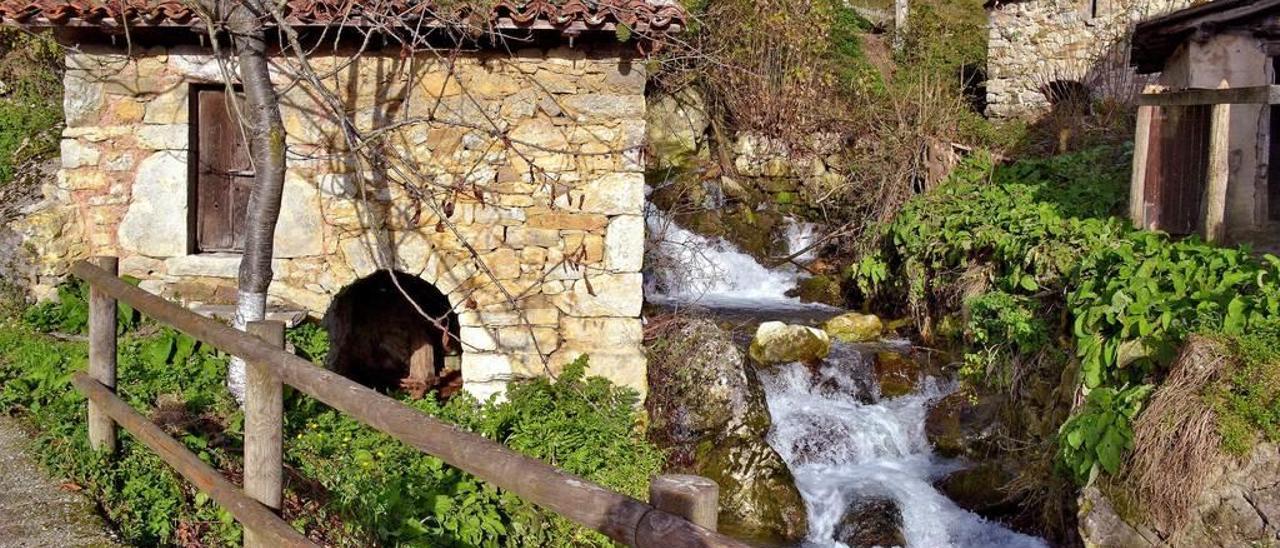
841,449
684,267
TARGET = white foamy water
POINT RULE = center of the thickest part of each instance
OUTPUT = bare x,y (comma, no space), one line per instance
801,237
841,450
685,267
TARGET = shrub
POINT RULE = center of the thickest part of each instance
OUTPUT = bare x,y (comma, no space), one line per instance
367,488
1062,266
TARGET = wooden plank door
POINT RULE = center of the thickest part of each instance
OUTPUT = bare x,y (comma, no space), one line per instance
224,175
1177,166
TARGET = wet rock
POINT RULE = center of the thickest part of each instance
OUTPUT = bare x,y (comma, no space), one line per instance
854,327
871,522
980,490
758,497
1240,507
961,425
776,342
819,289
707,409
896,374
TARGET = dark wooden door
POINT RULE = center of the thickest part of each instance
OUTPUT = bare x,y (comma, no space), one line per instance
224,175
1177,167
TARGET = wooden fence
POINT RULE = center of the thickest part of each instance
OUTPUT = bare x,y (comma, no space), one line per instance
1158,190
683,511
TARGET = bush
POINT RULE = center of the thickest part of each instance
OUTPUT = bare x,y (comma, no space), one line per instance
1124,299
365,487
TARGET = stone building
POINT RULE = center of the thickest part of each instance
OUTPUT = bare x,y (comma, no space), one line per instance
1039,48
526,152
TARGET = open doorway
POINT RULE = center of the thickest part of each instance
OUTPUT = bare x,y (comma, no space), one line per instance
380,339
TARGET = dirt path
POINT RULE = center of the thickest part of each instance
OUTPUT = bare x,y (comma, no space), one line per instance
34,510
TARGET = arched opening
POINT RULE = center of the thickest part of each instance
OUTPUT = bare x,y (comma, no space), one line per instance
1069,96
378,338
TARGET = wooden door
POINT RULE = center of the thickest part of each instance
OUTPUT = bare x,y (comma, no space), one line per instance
224,175
1177,166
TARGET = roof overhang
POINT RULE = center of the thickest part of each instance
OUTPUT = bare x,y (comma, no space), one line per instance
1155,40
645,19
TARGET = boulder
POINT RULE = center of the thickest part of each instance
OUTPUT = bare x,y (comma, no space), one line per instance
1240,507
819,289
896,374
854,327
871,522
961,425
777,342
707,409
980,489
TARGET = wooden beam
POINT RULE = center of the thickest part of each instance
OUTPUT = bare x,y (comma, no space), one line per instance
1219,173
102,356
263,430
1138,182
694,498
253,515
1257,95
620,517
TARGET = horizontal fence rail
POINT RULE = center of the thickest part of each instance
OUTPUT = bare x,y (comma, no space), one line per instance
620,517
250,512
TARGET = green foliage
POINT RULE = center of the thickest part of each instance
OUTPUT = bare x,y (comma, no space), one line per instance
32,108
1101,432
1121,300
310,341
1003,326
585,426
379,490
1246,397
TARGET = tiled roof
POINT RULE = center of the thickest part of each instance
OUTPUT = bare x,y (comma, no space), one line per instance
642,15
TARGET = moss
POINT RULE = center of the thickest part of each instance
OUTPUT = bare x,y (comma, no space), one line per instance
1247,395
820,289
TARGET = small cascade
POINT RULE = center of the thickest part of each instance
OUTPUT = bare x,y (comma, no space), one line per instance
801,237
685,267
842,449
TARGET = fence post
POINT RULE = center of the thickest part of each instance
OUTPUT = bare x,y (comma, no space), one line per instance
694,498
1215,202
1141,154
102,355
263,428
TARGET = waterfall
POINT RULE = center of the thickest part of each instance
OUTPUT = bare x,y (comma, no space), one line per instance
685,267
800,236
841,449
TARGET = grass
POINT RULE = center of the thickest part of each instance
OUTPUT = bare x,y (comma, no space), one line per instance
346,484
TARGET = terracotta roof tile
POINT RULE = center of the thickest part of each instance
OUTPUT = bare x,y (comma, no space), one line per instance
651,15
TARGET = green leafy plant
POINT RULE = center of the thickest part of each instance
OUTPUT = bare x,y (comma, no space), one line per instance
1062,271
366,488
1102,432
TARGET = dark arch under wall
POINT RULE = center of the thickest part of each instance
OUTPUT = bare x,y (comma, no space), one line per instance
376,334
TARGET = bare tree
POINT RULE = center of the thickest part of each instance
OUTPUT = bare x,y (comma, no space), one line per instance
245,25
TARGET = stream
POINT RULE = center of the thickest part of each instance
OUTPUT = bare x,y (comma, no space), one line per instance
841,440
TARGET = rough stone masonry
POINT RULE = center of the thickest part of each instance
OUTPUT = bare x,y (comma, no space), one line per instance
558,223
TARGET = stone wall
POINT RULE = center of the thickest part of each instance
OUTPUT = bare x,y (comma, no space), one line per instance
1034,42
537,152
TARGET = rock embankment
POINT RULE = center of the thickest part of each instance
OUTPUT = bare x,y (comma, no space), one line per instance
708,410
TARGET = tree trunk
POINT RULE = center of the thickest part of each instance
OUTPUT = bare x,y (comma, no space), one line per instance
266,136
